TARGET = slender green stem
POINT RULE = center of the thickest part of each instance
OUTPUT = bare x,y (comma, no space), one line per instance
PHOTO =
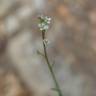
50,67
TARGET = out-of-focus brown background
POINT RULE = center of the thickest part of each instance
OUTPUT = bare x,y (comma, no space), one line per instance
72,47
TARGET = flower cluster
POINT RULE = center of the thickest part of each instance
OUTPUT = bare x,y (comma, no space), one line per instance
44,23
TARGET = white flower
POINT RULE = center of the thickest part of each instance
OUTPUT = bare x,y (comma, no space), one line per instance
44,23
46,27
47,19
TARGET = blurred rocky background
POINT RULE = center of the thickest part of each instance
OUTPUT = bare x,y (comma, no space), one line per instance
72,47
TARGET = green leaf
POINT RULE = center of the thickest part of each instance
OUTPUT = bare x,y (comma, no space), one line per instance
39,53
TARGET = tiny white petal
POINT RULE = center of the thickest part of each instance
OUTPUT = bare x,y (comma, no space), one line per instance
46,17
41,29
46,27
43,24
49,19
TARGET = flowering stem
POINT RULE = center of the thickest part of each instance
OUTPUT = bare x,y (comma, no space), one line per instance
50,67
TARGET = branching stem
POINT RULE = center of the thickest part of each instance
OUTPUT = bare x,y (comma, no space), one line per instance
50,67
